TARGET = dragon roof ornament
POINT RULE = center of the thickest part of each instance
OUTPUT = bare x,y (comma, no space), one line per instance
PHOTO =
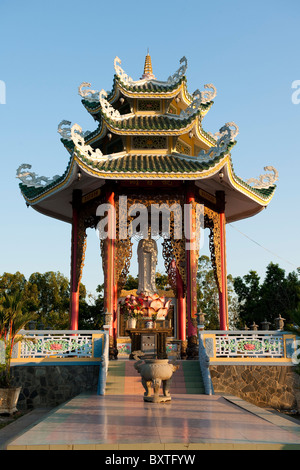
30,178
107,108
76,135
120,72
199,97
65,132
86,150
208,96
225,135
173,79
88,95
266,180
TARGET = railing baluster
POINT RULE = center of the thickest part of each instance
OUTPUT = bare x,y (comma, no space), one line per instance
244,345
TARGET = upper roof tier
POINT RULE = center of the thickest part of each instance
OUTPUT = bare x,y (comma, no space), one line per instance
147,130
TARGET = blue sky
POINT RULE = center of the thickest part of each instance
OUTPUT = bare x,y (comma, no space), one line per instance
248,50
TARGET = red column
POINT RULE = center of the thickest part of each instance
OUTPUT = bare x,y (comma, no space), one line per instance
181,308
74,284
191,265
110,290
223,299
223,295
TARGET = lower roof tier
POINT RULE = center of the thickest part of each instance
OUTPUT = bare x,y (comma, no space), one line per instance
54,199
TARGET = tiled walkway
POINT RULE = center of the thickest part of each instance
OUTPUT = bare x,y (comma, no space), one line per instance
188,422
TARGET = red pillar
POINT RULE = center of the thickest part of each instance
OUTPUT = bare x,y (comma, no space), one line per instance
110,289
223,300
223,293
180,298
74,284
181,308
191,264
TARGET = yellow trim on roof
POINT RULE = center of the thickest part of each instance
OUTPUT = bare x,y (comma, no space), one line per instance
242,188
151,94
122,131
153,176
52,190
225,161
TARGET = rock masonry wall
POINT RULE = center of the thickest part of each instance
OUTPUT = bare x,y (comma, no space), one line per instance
49,386
277,387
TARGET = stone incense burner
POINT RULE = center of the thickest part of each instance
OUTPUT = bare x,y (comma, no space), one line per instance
154,373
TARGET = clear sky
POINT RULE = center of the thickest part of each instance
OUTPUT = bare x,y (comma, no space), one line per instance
248,50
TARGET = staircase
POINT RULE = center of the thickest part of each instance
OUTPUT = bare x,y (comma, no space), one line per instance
123,379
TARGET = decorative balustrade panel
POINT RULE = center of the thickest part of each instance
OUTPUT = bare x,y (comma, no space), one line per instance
257,345
249,345
57,345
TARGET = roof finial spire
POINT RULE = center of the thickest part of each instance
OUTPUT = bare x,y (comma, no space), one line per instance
148,72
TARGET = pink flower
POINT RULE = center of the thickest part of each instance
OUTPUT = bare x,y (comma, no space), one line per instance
55,347
249,347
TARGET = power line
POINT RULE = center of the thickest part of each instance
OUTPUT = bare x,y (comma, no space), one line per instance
264,248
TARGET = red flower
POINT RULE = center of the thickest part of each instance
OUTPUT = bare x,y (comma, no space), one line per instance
55,347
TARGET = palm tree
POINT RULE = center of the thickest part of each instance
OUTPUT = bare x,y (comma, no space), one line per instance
12,320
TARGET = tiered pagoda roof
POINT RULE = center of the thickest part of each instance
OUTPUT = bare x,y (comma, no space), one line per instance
148,130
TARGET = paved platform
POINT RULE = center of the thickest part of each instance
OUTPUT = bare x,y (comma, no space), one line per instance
187,423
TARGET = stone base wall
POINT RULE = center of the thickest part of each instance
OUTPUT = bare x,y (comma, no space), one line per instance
276,387
49,386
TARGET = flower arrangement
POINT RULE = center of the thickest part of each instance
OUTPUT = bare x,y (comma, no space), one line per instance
156,307
137,306
132,307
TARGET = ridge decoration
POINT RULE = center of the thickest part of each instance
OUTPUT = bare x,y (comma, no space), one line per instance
266,180
107,108
173,79
32,179
65,132
120,72
88,95
199,97
225,136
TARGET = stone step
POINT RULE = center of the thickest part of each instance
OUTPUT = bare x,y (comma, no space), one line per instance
123,379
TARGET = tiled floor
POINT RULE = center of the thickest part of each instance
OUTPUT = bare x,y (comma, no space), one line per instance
126,422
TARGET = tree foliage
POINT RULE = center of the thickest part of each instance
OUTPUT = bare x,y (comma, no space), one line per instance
208,296
46,296
278,294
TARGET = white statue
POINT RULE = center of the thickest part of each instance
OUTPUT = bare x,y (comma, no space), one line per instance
147,259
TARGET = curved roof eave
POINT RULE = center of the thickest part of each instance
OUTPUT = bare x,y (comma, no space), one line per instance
248,200
157,91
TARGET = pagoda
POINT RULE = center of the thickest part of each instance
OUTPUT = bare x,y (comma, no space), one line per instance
150,148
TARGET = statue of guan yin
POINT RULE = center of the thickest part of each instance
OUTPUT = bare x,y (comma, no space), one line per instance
153,304
147,261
